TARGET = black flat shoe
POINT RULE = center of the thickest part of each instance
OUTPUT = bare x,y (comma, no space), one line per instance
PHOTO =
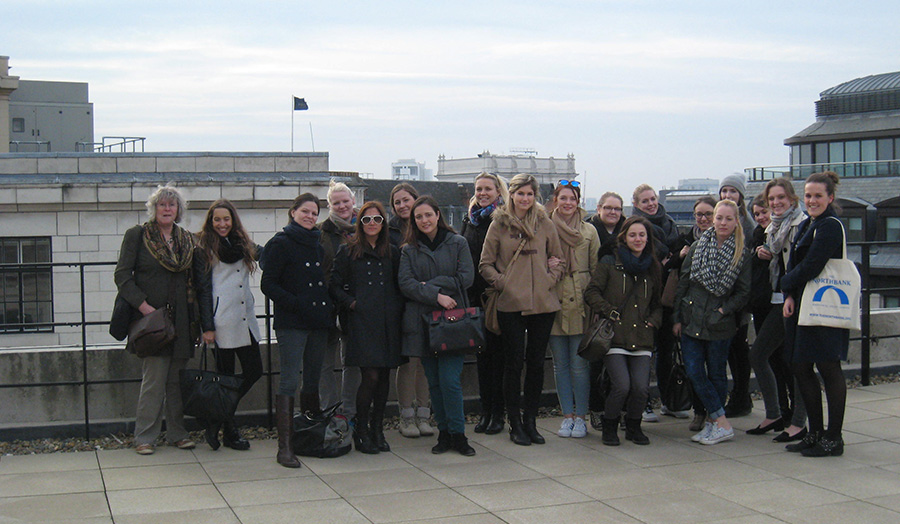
483,423
777,425
785,437
807,442
212,436
825,447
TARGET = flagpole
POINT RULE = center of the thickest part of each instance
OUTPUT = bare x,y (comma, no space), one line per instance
311,139
292,123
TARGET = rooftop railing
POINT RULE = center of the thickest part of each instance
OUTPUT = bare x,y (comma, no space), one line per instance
871,168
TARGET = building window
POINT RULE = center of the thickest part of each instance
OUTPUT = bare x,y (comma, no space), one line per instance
18,125
26,293
891,302
854,227
892,229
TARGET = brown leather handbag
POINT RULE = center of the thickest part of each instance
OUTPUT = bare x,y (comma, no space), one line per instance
152,335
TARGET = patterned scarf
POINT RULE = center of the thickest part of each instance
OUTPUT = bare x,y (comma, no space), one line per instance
569,231
711,265
478,213
176,259
347,227
777,236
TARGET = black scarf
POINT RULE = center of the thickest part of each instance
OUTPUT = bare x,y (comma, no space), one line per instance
231,249
635,266
432,244
301,235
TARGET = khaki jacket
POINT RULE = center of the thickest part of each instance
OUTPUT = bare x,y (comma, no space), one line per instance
574,317
528,286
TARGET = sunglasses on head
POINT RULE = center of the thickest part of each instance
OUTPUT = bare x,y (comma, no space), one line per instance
570,183
366,220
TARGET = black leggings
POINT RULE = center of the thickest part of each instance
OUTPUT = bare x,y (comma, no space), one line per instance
251,363
373,391
835,393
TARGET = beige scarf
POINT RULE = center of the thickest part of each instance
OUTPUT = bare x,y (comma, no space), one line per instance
569,236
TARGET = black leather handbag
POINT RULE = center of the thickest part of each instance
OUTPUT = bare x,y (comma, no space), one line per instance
679,393
209,396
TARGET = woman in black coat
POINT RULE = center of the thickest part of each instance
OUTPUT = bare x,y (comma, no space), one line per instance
364,285
490,193
294,281
819,238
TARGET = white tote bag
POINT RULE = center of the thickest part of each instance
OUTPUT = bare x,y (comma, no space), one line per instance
832,298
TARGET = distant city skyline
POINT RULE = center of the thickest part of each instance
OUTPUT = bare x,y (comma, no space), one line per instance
640,91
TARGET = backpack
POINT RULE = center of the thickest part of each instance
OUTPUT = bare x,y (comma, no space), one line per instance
324,435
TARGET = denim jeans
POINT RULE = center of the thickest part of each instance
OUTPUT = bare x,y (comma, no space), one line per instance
300,349
572,374
444,376
705,362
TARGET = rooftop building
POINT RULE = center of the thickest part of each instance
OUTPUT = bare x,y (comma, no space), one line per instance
548,170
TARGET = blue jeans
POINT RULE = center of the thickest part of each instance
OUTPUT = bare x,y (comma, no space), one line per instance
300,349
445,386
573,377
705,362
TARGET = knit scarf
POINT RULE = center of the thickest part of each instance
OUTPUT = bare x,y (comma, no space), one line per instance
181,254
635,266
478,213
570,236
777,236
230,249
711,265
347,227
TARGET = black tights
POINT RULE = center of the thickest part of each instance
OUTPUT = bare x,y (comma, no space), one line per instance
374,387
835,394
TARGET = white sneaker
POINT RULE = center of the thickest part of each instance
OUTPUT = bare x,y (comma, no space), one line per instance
707,427
580,429
649,415
408,427
717,434
422,416
565,429
677,414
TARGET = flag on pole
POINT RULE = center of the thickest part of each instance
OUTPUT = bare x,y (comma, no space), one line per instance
300,104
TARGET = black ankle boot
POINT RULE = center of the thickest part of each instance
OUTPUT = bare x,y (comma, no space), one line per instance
529,424
517,432
460,444
825,447
610,429
212,435
496,424
807,442
444,443
633,432
362,438
232,438
483,423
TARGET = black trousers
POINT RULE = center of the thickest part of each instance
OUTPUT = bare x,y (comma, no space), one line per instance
251,363
490,374
525,339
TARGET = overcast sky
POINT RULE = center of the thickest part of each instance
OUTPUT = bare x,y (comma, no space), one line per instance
638,91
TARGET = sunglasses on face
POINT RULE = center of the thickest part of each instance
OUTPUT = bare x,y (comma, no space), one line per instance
368,219
570,183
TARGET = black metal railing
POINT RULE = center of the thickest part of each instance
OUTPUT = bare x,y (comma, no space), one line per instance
85,382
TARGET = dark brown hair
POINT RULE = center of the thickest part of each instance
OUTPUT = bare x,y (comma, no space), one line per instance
705,200
412,230
655,266
299,201
357,242
209,238
830,180
783,183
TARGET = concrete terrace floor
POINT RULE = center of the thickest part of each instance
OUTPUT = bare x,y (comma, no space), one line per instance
748,480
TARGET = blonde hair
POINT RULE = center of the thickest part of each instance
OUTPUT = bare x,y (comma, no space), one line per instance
338,187
166,193
611,194
531,216
499,183
637,192
738,231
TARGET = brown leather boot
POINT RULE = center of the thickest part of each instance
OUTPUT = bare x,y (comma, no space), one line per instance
284,421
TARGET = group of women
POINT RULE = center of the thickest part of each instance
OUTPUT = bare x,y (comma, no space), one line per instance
339,288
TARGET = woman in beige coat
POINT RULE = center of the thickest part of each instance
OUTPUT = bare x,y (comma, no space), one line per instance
523,261
581,244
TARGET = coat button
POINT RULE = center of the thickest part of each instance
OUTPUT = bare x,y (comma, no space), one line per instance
317,264
323,303
307,264
310,284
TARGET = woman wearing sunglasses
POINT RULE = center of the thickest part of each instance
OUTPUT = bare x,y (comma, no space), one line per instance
364,286
580,244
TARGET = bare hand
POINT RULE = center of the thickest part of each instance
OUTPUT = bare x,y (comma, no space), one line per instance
446,302
553,262
146,308
684,251
209,337
788,309
763,253
676,329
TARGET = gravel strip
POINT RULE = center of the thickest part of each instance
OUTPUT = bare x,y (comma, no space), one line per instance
121,441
